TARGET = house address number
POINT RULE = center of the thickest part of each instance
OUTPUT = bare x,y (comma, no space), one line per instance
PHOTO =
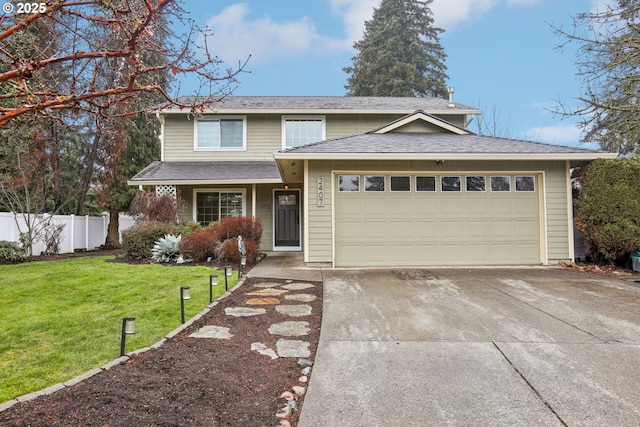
320,191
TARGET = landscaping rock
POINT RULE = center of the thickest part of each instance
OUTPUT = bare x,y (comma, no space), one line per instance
212,331
243,311
297,310
298,286
290,329
292,348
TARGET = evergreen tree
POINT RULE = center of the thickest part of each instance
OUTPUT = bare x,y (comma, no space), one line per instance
400,53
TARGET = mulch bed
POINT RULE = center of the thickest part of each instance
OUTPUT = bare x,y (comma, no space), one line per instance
187,381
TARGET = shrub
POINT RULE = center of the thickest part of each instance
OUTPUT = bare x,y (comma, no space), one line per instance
247,227
228,251
199,245
609,208
187,228
166,248
138,240
11,252
147,206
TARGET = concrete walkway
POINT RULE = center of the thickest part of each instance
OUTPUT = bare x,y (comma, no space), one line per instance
476,347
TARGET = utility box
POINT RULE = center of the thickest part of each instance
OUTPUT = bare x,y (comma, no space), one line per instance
635,259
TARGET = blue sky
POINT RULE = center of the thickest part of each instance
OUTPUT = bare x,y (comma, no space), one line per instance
502,54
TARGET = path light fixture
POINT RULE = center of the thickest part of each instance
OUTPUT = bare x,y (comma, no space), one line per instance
228,272
213,281
243,264
184,295
128,328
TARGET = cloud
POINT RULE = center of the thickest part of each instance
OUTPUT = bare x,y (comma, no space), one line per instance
236,36
563,134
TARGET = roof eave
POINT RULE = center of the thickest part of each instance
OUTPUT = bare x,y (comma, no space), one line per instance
203,182
445,156
318,111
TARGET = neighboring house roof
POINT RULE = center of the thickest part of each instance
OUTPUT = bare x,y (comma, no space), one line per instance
328,105
198,173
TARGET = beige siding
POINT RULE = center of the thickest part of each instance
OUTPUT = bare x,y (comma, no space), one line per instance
557,211
320,245
264,135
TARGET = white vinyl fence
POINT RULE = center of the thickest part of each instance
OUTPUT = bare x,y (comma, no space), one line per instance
80,232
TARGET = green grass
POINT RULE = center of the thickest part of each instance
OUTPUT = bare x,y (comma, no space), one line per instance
59,319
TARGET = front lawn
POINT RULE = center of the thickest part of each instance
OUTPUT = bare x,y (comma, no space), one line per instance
59,319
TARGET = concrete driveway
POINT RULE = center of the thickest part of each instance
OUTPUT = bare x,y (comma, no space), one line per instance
476,347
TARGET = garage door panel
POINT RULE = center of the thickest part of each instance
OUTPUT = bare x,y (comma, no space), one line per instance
479,230
451,230
436,228
425,206
399,254
451,253
476,206
403,230
476,254
425,230
375,207
501,230
401,207
527,230
349,208
375,230
451,207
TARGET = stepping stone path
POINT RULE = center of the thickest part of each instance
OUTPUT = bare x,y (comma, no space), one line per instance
267,293
297,310
211,331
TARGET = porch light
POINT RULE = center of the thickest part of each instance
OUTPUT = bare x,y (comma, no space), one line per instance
213,281
184,295
128,328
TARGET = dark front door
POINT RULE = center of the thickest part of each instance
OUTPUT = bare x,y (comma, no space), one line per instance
287,218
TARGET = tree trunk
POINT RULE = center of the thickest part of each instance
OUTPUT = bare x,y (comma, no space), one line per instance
113,236
88,174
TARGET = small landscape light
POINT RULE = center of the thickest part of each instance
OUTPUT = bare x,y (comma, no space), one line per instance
128,328
184,295
243,264
213,281
228,271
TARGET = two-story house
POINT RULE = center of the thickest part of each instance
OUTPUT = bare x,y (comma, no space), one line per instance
359,181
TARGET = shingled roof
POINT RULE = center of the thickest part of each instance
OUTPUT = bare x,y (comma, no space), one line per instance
329,104
194,173
433,143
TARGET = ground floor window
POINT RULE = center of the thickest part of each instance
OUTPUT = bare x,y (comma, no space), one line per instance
211,206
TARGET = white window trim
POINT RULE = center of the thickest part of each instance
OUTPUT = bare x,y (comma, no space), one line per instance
501,191
442,190
323,119
435,189
535,185
194,214
217,118
384,183
349,174
466,189
391,190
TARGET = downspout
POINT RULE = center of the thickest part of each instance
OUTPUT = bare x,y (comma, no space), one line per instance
253,200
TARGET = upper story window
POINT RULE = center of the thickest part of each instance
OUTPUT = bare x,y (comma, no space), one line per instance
298,131
220,134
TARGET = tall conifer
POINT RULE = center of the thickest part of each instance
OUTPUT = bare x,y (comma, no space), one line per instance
400,53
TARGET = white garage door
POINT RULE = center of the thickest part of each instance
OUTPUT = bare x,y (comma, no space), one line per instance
409,220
